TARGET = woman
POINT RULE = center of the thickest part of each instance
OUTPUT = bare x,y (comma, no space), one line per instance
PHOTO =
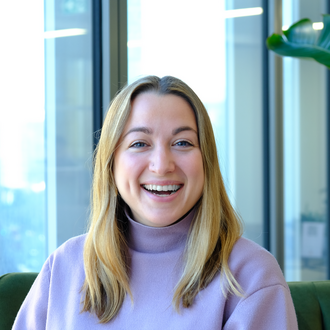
164,249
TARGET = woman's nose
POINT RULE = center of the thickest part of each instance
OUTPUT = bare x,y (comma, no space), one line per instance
161,161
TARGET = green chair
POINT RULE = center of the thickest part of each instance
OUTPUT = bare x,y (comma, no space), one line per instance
312,304
311,300
13,289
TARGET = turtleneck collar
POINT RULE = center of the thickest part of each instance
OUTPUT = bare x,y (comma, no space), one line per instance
142,238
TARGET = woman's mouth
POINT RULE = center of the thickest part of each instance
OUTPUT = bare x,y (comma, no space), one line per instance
162,191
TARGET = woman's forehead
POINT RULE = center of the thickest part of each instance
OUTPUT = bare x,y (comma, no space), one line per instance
151,107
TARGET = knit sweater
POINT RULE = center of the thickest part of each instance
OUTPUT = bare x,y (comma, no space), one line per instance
54,301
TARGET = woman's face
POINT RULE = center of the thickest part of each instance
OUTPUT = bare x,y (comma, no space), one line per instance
158,165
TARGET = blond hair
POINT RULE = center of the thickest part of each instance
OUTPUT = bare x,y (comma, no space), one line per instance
216,226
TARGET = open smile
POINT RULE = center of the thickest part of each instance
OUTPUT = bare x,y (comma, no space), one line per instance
162,191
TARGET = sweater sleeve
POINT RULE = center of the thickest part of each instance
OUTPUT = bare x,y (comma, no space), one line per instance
269,308
33,312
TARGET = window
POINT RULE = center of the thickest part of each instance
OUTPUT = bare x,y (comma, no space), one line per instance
215,47
45,128
305,152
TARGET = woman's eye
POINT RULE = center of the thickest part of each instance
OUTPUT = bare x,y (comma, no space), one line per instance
183,144
138,145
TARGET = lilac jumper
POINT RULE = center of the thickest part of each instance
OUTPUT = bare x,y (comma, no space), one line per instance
54,299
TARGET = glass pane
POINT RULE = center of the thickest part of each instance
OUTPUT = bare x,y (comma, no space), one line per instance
216,49
68,59
305,157
22,143
243,137
45,128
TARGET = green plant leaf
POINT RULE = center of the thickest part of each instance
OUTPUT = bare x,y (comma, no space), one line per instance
301,40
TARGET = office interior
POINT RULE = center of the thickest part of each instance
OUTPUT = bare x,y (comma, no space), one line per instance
66,59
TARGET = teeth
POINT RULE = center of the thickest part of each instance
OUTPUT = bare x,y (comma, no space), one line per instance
170,187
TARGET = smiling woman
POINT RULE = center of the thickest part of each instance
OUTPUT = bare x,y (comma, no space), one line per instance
162,232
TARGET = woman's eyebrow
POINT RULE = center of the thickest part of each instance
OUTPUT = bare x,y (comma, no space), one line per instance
148,131
181,129
143,129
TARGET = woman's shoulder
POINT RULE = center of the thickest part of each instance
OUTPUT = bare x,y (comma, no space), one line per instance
70,252
72,244
245,247
254,267
266,301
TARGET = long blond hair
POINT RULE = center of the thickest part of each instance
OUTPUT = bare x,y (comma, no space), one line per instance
216,226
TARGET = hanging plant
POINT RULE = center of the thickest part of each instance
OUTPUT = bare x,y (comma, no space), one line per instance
303,41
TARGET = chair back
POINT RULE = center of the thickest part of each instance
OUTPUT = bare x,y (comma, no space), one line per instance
312,304
13,290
